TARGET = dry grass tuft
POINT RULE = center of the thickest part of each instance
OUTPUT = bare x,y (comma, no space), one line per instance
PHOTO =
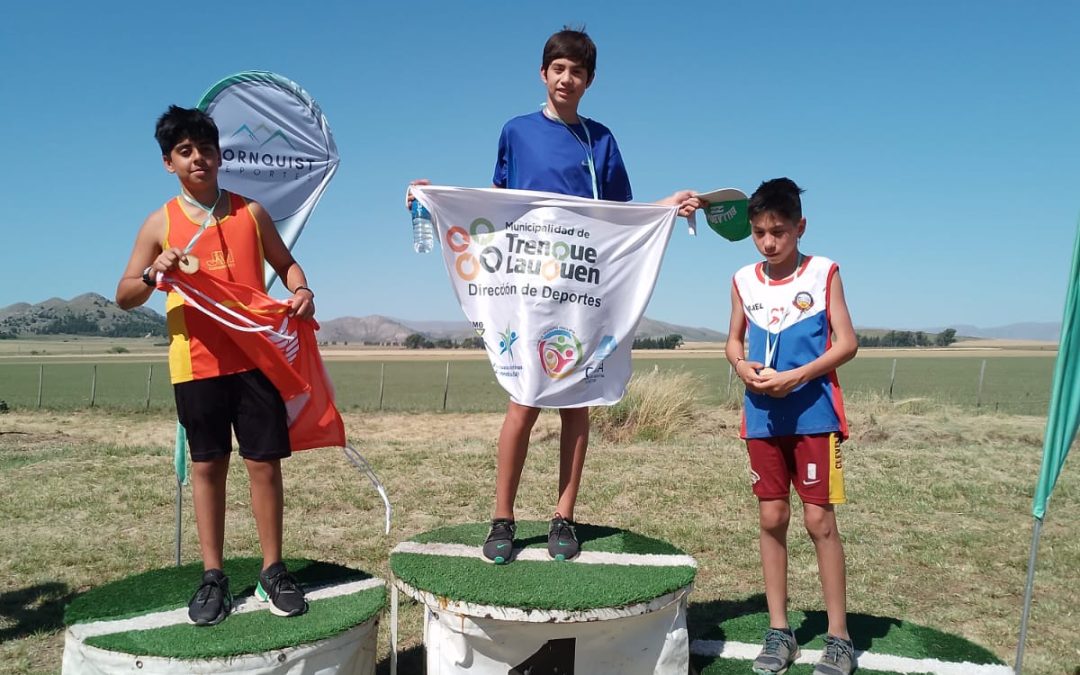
655,407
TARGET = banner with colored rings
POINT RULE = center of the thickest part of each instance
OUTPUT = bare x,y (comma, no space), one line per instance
554,285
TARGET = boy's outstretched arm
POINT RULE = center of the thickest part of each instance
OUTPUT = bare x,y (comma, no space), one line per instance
131,292
842,349
279,257
686,200
735,349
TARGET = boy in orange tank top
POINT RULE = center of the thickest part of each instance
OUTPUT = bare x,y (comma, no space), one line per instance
219,391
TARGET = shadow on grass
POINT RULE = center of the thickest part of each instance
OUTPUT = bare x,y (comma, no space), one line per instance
746,620
864,628
33,609
705,620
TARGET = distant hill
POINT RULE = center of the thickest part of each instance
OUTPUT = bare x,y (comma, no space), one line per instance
385,330
87,314
1030,330
654,329
372,329
93,314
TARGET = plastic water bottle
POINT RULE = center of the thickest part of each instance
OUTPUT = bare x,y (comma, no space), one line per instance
423,233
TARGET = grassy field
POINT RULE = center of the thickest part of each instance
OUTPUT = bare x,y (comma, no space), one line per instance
937,528
1011,384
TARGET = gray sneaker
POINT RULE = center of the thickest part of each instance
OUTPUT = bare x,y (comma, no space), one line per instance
778,653
837,659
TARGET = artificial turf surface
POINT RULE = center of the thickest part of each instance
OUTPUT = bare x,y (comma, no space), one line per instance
879,635
247,633
547,585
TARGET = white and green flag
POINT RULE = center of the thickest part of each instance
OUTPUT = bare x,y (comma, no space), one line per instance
1064,414
555,285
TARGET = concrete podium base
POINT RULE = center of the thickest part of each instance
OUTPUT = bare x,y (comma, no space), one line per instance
619,607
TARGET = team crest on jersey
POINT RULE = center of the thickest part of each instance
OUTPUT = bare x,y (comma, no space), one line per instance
803,301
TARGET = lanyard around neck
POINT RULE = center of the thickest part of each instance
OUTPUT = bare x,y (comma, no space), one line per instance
586,145
209,210
770,343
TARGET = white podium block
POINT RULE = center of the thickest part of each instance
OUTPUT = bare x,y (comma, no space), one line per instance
619,607
135,626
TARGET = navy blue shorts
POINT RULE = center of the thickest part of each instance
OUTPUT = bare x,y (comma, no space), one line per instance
247,402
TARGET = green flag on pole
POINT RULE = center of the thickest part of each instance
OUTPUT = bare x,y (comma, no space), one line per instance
1064,414
1061,423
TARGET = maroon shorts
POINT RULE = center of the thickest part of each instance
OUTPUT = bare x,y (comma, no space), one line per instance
814,463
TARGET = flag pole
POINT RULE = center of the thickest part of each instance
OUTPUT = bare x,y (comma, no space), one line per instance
1028,592
179,511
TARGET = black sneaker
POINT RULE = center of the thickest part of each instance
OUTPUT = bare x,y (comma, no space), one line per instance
212,602
562,539
499,544
281,590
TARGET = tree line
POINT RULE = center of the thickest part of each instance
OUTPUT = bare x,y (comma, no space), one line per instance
420,341
907,338
672,341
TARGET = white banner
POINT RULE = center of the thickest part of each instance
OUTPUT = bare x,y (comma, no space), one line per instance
555,285
276,146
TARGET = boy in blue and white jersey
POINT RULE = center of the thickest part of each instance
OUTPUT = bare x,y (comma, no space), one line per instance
792,310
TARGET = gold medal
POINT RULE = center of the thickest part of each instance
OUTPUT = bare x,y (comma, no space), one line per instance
189,264
767,371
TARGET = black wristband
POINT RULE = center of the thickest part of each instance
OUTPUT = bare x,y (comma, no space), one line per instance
304,288
147,279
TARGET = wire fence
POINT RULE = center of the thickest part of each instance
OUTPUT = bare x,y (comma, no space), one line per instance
1014,385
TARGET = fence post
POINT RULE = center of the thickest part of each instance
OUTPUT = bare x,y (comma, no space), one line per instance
382,379
982,374
149,379
93,384
892,378
40,382
446,386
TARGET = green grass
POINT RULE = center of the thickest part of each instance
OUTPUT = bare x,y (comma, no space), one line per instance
936,530
879,635
548,585
250,632
1019,385
533,534
527,584
171,587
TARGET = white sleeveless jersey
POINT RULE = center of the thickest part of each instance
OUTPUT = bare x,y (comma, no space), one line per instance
792,315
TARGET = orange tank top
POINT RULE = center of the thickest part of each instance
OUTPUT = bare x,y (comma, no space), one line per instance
230,249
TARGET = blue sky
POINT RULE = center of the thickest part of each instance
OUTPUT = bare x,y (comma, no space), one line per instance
939,142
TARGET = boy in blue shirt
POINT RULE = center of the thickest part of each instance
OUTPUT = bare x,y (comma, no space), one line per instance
791,308
556,150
